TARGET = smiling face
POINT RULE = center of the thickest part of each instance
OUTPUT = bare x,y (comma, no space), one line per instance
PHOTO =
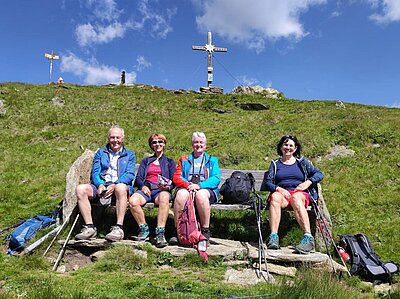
157,145
199,146
115,139
288,148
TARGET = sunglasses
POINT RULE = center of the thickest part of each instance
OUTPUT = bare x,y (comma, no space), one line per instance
157,141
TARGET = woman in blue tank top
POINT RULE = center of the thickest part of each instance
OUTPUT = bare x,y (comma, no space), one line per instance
291,180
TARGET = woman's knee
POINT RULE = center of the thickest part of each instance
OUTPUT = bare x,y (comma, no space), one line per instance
163,198
135,200
276,199
297,201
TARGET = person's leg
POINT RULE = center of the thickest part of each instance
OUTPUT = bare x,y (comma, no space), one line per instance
136,201
277,202
121,195
162,200
203,208
298,203
84,193
182,195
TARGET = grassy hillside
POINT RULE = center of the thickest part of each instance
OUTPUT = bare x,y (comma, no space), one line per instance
40,140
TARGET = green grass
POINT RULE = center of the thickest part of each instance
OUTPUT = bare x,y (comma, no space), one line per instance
40,141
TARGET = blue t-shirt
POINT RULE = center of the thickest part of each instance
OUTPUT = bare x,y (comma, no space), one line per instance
288,176
197,168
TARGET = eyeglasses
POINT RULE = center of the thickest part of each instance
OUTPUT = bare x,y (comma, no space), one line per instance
157,142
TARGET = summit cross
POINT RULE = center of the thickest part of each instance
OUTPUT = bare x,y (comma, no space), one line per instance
210,48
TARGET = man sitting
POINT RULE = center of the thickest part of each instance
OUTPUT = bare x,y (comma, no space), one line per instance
113,171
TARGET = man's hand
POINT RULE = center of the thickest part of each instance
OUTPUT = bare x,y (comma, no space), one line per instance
100,190
109,190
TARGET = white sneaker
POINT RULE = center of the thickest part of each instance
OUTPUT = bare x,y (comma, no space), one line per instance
87,233
116,234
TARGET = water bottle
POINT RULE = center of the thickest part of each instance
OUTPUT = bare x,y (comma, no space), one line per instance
345,256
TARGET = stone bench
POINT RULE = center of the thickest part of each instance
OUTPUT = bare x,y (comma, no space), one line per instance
80,173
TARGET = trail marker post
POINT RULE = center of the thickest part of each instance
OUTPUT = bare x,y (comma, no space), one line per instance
51,57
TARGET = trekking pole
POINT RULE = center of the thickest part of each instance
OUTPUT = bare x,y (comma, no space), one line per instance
11,226
261,251
61,254
327,235
55,237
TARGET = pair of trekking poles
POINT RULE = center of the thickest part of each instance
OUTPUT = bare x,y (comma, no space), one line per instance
323,227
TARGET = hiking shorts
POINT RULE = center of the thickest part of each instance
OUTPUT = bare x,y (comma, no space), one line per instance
153,195
96,198
306,201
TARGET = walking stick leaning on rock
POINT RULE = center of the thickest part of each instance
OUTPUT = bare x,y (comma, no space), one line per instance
61,254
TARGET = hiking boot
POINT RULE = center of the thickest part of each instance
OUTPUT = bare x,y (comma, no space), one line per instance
174,239
273,242
306,245
160,238
206,233
143,233
116,234
87,232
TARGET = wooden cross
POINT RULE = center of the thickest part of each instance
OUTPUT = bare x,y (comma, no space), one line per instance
210,48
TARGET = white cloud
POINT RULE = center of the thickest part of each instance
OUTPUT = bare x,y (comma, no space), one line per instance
142,63
395,105
88,34
246,81
106,10
254,21
92,72
158,22
106,22
390,11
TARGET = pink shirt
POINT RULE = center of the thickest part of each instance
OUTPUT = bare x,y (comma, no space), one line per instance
153,172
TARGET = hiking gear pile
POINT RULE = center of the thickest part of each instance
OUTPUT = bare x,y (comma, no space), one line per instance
26,231
365,262
237,188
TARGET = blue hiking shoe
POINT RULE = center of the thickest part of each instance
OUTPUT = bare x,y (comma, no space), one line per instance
306,245
273,242
143,233
160,237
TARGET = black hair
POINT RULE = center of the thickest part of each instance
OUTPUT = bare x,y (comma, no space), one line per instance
283,140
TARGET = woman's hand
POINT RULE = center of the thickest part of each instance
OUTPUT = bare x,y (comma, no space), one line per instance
304,186
146,190
284,192
193,187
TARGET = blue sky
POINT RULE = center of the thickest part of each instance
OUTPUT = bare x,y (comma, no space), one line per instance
308,49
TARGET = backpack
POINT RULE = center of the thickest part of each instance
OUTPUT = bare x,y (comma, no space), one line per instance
237,188
188,227
26,231
365,262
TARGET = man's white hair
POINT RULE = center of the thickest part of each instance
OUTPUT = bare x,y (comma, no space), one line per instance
116,127
199,134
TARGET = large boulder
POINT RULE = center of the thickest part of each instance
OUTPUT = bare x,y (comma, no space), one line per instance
79,173
257,89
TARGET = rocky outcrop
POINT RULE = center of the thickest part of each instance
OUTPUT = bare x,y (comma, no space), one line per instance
257,89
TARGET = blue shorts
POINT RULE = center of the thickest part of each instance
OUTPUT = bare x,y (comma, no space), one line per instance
213,196
113,198
153,195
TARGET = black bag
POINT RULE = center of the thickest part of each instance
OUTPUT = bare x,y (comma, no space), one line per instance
237,188
365,262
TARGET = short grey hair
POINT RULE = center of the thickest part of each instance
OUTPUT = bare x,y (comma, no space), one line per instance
116,127
199,134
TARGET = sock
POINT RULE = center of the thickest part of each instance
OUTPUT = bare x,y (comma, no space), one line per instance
273,234
307,235
90,225
160,229
119,225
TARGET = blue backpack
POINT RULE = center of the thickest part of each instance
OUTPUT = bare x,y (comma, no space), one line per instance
26,231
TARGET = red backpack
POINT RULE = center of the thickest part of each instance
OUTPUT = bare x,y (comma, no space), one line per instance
188,228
